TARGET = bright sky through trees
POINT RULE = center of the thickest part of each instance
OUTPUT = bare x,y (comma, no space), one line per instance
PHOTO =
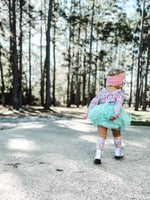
129,6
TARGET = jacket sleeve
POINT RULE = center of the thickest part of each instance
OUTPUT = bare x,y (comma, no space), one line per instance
95,101
119,102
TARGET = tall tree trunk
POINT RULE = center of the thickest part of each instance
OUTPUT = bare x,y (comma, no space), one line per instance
54,60
95,74
131,84
72,52
2,78
14,57
30,90
71,90
77,88
11,44
10,26
90,57
69,67
84,72
78,60
47,59
41,57
141,88
20,57
146,72
139,60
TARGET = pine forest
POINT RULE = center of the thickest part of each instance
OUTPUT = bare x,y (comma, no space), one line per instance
58,52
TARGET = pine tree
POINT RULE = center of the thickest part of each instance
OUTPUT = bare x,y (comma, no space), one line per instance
139,60
2,78
147,72
14,57
47,59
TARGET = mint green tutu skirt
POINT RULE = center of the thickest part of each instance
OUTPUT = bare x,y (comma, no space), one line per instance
100,114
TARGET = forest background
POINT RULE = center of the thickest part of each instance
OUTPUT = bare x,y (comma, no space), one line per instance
58,52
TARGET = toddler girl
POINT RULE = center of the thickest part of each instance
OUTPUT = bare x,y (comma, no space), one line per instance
105,111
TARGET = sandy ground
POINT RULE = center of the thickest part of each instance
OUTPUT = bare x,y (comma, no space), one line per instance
51,158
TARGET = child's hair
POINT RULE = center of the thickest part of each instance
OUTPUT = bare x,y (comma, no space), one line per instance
113,72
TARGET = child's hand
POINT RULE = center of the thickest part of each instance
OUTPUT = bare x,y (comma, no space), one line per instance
112,118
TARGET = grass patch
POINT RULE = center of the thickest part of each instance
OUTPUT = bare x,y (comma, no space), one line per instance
140,118
140,123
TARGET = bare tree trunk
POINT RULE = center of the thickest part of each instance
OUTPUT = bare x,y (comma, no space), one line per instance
41,57
2,78
90,57
69,67
71,52
14,57
77,98
71,90
95,77
20,57
47,59
141,88
77,89
11,43
131,84
84,73
10,26
30,90
146,73
139,60
54,60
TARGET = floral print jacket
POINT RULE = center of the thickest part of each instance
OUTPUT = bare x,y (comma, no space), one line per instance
116,98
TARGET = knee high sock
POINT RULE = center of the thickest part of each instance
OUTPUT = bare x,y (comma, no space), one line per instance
117,142
99,147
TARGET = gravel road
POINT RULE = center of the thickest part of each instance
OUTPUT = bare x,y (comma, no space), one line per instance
51,158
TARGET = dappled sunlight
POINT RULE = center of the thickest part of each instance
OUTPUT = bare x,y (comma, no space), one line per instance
136,144
4,126
31,125
21,144
62,125
19,155
89,138
11,186
77,125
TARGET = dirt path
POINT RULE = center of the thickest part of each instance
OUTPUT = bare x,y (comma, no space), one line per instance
51,158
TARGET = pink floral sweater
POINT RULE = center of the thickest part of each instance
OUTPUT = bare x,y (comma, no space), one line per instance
116,98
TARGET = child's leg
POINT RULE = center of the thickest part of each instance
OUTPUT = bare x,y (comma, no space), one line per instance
102,134
117,142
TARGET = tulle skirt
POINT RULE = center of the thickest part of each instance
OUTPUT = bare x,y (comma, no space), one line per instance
100,114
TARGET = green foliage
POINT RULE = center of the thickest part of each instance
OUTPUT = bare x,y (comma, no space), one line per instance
115,41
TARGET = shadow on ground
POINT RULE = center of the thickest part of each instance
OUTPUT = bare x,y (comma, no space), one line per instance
52,158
